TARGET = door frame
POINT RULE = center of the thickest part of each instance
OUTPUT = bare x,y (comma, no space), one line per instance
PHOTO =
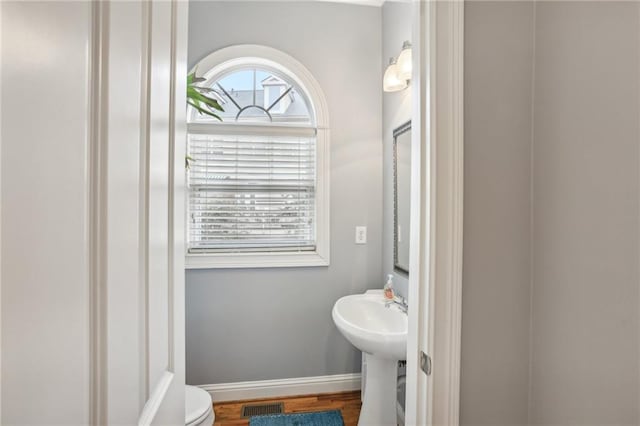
435,283
120,313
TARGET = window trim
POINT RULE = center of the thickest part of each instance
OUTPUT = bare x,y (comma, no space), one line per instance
225,60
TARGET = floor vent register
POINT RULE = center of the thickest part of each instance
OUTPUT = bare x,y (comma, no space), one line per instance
250,410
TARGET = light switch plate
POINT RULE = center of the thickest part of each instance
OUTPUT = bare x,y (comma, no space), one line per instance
361,235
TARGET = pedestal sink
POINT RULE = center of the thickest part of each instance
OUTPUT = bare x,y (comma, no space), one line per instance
380,332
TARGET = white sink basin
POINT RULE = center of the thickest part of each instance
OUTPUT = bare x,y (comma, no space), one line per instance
380,332
371,327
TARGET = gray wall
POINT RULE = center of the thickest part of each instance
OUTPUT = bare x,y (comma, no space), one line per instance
551,269
586,190
258,324
396,107
496,271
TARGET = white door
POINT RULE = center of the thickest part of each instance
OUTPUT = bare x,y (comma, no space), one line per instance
419,396
143,47
435,284
92,200
164,234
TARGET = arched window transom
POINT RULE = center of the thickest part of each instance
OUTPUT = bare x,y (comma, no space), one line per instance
257,94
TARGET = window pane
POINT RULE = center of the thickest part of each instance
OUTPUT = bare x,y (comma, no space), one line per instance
255,94
251,192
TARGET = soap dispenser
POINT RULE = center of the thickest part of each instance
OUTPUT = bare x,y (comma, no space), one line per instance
388,288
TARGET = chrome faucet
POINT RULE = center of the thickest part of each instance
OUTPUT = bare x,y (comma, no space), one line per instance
400,301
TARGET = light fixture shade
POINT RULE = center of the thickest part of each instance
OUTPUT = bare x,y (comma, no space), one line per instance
390,81
404,62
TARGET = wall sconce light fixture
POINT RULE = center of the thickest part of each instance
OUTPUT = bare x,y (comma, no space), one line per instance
398,73
391,82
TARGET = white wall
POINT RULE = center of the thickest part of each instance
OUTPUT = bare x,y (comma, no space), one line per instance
496,271
552,198
258,324
396,109
586,214
45,291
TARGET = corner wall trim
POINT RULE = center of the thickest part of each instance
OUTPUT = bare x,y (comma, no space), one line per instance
283,387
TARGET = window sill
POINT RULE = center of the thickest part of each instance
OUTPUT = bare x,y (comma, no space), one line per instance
255,260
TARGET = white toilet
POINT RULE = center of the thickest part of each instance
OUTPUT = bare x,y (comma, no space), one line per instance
198,407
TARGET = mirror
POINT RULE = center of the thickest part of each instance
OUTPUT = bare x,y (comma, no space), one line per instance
401,196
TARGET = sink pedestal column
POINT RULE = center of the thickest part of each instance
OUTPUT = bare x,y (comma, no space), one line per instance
380,392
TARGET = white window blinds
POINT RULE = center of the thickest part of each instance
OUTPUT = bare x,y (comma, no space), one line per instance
251,193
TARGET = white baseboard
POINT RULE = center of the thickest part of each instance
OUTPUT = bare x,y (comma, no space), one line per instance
283,387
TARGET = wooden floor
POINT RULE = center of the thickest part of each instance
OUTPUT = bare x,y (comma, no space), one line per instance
228,413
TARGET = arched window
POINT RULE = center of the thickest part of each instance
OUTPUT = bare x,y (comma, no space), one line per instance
258,177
